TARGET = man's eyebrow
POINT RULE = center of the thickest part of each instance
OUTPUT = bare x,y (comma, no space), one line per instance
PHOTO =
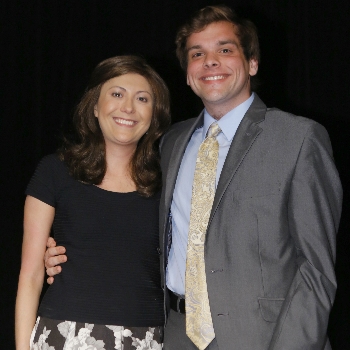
194,47
224,42
219,43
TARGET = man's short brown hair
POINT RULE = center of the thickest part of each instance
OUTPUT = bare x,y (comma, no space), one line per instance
244,29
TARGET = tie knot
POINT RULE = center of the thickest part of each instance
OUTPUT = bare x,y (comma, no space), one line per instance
214,130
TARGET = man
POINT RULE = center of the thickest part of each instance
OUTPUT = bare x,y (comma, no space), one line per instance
248,252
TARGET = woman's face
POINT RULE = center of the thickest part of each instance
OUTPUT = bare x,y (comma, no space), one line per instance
124,109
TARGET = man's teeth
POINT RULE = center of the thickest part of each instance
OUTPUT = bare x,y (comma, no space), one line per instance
216,77
123,121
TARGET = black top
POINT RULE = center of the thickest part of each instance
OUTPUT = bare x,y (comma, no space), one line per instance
112,273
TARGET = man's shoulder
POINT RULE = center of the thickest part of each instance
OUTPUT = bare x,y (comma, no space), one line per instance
287,128
183,125
276,118
178,128
277,115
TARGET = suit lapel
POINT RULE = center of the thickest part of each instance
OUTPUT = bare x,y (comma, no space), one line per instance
246,134
176,157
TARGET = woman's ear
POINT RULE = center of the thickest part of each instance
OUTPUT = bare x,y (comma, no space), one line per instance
95,111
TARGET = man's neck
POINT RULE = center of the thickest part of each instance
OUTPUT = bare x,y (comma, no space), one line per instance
218,110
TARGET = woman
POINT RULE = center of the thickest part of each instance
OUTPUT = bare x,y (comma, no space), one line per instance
100,195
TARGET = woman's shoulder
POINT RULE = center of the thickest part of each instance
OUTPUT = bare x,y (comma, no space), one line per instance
52,163
51,159
51,169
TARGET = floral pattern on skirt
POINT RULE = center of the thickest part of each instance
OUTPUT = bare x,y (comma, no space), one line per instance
49,334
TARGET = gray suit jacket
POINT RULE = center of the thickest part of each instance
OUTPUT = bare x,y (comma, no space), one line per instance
271,238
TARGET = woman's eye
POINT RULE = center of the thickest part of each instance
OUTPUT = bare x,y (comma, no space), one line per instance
143,99
116,94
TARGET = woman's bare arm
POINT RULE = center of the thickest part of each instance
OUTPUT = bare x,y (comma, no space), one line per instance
38,218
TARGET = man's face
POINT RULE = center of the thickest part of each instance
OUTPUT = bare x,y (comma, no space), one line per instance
217,70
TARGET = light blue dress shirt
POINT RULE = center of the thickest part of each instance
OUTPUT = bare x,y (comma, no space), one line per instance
181,203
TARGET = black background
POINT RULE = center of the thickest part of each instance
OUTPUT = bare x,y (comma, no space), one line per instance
49,48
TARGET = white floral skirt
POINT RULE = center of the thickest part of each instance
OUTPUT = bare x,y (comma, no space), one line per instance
49,334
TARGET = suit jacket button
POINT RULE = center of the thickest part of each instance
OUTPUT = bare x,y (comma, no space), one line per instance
159,251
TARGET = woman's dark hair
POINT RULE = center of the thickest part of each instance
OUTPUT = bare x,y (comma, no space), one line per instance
86,155
244,29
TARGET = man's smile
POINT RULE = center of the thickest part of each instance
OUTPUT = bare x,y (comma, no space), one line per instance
214,77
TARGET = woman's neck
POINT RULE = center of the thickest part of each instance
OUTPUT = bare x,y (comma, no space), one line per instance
118,173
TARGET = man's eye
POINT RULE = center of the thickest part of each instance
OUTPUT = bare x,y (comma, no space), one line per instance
116,94
225,50
197,54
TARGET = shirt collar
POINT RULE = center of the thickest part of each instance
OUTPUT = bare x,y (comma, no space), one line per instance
230,121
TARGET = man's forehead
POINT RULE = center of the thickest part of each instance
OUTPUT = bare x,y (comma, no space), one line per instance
224,32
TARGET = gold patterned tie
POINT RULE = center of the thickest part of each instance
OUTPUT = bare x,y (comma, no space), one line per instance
199,324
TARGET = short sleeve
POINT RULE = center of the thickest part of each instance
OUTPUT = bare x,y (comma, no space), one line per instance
44,184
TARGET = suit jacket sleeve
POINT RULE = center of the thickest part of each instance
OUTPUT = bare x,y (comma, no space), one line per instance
314,209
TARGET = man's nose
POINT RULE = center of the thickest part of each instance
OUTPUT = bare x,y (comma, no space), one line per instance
211,60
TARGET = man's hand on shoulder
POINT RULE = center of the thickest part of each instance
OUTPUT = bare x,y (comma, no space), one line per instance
53,257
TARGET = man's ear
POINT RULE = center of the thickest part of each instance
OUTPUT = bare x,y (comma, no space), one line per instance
253,67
